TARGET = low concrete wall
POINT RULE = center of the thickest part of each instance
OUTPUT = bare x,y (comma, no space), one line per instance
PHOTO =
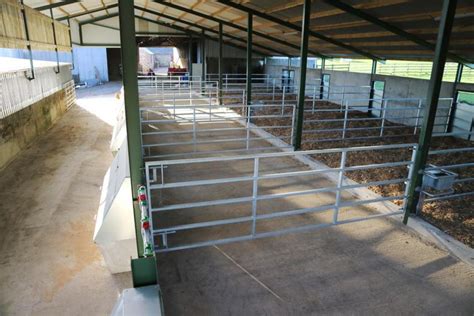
19,129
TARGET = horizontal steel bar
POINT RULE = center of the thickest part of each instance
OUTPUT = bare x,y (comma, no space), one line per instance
204,224
197,131
450,151
272,148
272,233
279,154
201,204
447,197
214,141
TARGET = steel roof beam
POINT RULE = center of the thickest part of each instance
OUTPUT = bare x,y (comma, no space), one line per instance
236,26
99,18
298,28
390,27
104,17
206,29
189,32
55,5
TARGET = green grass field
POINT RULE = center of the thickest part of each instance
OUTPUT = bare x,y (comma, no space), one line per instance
466,97
402,68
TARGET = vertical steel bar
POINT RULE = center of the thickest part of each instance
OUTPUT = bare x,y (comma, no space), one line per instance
452,109
384,113
442,46
346,117
283,101
132,116
273,90
255,194
70,40
248,126
410,176
55,40
28,43
292,124
194,129
340,181
418,113
162,175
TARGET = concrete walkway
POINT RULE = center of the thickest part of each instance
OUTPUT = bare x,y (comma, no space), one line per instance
373,267
48,200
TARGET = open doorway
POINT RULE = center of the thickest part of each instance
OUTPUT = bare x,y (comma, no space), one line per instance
161,61
113,64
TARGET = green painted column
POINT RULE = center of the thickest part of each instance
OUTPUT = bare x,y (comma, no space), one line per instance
220,62
302,84
128,49
431,106
190,57
249,59
203,55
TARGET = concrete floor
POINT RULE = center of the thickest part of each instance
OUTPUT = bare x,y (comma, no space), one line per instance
373,267
49,265
49,196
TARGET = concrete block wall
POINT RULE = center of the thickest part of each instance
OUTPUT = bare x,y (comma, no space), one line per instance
34,107
21,128
395,88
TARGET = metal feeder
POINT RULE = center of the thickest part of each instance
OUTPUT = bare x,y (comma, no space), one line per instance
438,179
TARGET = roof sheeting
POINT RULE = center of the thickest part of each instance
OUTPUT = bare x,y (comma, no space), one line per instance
417,17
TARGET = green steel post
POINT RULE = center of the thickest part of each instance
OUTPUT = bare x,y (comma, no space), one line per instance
132,116
442,45
220,63
374,68
190,57
249,60
302,84
203,55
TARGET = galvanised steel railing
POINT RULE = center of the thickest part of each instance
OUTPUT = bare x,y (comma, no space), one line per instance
192,129
402,113
181,225
465,170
